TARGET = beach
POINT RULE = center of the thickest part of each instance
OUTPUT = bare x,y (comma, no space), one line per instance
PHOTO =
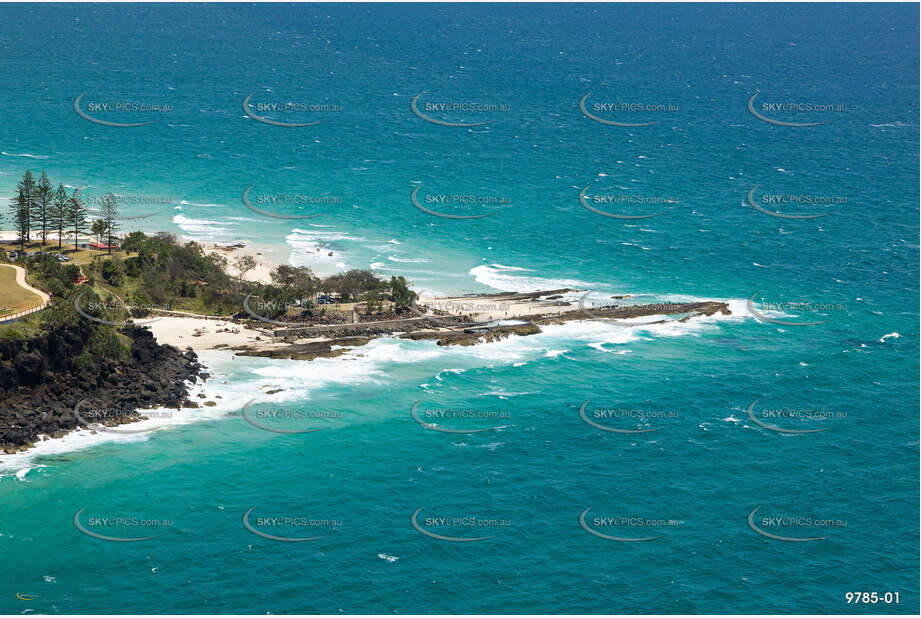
264,264
667,264
205,333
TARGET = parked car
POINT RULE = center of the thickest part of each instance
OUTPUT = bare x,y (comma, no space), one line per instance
63,258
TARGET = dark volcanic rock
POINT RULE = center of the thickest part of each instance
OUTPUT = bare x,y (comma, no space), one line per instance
297,351
473,336
307,351
40,386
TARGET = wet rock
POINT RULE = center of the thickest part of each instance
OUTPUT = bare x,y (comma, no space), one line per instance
40,385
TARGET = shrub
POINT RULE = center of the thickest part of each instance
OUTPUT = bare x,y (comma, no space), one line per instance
133,267
105,343
112,272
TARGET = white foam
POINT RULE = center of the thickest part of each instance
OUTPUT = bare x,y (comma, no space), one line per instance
236,380
205,230
498,277
312,247
394,258
199,204
26,155
160,419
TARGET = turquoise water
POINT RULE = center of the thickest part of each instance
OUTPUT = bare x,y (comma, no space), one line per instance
537,467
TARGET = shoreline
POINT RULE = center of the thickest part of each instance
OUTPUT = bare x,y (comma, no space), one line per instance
107,392
264,265
521,315
465,320
458,319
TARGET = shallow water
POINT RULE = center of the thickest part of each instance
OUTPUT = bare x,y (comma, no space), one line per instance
536,466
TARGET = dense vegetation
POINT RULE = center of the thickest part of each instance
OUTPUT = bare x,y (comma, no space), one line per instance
160,272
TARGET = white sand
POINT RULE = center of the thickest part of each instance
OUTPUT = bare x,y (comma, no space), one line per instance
179,332
488,309
264,265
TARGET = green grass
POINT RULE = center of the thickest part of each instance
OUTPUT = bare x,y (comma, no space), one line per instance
77,256
22,328
14,297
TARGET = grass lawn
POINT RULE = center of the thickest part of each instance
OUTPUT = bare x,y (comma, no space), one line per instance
13,297
77,256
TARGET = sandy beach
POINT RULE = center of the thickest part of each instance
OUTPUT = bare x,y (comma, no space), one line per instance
492,307
181,332
264,264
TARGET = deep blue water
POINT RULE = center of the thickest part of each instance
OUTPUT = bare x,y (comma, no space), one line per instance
705,468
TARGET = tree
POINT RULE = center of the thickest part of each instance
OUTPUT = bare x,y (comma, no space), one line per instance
372,297
59,212
110,217
19,207
219,261
98,229
134,241
26,202
41,215
400,293
76,216
352,284
244,264
112,272
298,277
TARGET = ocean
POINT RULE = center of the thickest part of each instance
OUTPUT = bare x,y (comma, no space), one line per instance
474,110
